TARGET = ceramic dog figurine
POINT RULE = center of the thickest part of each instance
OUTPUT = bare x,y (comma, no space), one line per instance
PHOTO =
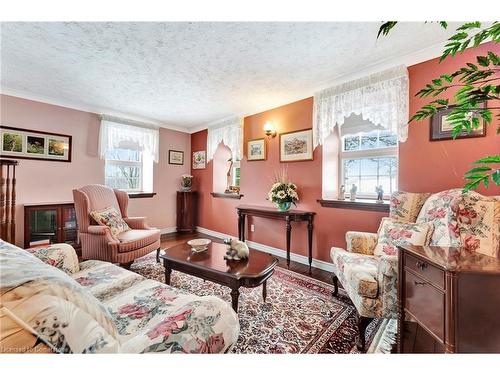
237,250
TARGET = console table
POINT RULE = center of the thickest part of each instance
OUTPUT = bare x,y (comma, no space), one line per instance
447,301
273,213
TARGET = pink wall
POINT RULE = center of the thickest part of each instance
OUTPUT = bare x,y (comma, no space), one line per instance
425,166
46,181
435,166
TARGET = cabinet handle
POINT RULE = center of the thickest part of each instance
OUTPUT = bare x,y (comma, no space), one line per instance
421,265
420,283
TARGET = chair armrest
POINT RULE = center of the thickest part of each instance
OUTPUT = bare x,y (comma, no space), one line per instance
137,222
387,278
60,255
388,265
361,242
102,230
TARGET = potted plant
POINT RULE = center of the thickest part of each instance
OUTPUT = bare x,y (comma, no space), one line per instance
283,193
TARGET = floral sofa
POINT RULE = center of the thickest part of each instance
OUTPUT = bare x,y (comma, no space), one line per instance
97,307
368,268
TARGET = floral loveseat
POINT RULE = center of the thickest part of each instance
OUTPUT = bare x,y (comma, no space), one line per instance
368,268
97,307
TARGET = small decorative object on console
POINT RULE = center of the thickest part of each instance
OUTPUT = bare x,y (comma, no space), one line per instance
354,189
199,244
237,250
342,193
283,193
186,182
380,194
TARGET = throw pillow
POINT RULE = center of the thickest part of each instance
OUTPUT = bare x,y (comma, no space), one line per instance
112,219
406,206
393,233
478,222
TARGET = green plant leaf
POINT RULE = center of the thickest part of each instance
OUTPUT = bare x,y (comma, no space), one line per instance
470,25
495,176
483,61
386,28
478,169
488,159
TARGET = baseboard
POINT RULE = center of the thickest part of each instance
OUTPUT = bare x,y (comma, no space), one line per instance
302,259
168,230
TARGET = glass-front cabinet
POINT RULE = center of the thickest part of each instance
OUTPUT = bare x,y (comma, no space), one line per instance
50,223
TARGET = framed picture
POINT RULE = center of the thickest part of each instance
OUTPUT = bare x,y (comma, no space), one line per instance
17,143
175,157
296,146
199,159
441,129
256,149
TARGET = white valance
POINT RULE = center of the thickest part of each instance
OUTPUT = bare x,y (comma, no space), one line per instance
381,100
116,133
230,132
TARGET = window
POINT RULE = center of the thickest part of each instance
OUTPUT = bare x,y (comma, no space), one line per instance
124,169
368,160
129,152
236,173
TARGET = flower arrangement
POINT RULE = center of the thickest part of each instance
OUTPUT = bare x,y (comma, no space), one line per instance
186,182
283,193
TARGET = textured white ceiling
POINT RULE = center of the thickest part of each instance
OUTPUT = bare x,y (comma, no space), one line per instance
189,74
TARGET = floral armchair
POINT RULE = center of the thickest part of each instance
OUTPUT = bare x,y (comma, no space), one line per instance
368,267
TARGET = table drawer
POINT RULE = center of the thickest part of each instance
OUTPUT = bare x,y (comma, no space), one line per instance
426,270
425,303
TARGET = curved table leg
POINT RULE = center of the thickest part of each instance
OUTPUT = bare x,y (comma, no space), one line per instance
235,294
264,290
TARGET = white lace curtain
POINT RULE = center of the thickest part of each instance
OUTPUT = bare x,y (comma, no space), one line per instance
117,133
230,132
381,100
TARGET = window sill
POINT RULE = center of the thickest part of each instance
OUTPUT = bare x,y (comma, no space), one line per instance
358,204
141,195
227,195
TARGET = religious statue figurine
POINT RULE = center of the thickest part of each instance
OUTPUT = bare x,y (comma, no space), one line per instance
342,193
354,189
228,176
380,194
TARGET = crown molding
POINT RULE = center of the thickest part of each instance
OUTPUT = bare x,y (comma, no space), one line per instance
88,108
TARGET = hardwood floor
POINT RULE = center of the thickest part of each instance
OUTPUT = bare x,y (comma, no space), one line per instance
169,240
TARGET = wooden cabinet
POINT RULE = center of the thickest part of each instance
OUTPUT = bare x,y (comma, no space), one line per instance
448,301
187,211
53,222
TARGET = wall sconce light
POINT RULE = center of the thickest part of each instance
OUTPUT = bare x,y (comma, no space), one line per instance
269,129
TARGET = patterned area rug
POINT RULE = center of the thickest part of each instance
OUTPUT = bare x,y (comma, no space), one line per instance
299,316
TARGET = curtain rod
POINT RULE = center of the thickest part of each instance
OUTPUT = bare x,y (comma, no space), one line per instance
125,121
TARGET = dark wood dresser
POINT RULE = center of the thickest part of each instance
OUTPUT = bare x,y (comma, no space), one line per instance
187,203
448,301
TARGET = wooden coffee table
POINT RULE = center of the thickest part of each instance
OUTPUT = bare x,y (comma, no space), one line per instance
211,265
